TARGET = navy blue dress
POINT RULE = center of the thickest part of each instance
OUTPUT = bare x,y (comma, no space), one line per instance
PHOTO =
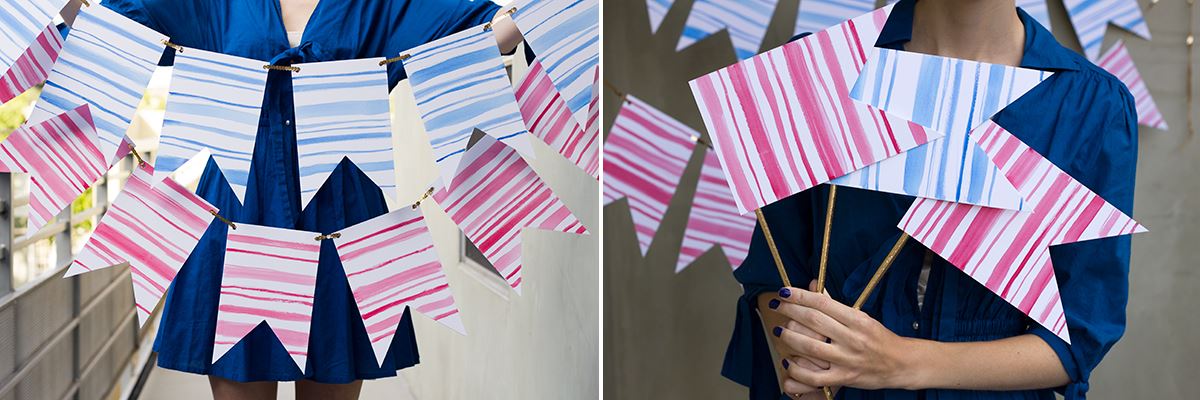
339,350
1082,119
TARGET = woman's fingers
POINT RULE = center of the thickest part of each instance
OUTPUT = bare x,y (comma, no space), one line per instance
808,347
794,388
822,302
815,378
813,321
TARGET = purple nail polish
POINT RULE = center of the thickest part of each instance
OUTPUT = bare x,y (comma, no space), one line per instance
785,364
773,304
778,331
785,293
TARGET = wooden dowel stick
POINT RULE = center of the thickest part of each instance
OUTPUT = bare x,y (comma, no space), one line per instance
821,267
883,267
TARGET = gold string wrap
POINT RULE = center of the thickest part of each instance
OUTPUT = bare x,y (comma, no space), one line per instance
428,194
168,43
821,267
394,60
281,68
511,12
223,219
620,94
138,157
883,267
85,3
323,238
762,223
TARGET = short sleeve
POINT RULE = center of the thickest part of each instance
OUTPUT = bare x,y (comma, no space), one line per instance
1105,163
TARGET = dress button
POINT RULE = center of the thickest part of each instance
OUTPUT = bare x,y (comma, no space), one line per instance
287,122
916,326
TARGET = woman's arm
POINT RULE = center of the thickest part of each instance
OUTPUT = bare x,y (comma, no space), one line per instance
862,353
507,34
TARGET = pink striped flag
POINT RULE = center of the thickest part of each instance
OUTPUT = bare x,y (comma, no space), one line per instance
592,129
714,219
152,226
644,158
783,121
547,117
270,277
1009,251
1118,62
494,197
32,68
392,266
61,155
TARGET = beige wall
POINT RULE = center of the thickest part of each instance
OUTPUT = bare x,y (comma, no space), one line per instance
665,334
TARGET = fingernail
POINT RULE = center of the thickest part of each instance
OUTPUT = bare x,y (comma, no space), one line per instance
785,364
778,331
773,304
785,293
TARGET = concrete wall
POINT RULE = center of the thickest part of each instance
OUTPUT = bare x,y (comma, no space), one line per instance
665,334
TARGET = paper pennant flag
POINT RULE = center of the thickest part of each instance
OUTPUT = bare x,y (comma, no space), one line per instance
107,63
714,219
547,117
658,11
1009,251
270,277
496,196
1091,19
216,101
644,158
61,158
565,34
1118,62
745,20
816,15
392,266
461,85
343,111
152,226
947,95
783,121
34,65
592,130
20,22
1035,8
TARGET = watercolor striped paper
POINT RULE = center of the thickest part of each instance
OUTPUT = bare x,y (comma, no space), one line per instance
1091,19
1118,62
714,219
657,10
392,267
565,34
745,20
547,117
783,121
270,277
947,95
343,111
816,15
644,159
461,85
61,159
592,130
497,196
216,101
107,64
1009,251
152,226
21,21
34,65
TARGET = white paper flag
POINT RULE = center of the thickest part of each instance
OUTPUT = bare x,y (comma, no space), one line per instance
565,35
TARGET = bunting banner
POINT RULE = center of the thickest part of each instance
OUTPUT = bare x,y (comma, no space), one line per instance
644,158
746,21
547,117
816,15
1091,19
950,96
60,158
20,23
658,11
1009,251
343,111
565,34
107,63
392,266
714,219
783,121
1118,62
497,196
215,104
34,65
270,277
461,85
152,226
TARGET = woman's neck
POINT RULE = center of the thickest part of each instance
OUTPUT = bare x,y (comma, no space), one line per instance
981,30
296,13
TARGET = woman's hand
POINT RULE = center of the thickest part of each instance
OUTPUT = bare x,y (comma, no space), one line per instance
768,303
861,352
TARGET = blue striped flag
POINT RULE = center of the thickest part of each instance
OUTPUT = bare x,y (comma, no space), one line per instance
461,85
215,103
657,10
950,96
106,63
746,21
21,21
342,111
1091,19
565,34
